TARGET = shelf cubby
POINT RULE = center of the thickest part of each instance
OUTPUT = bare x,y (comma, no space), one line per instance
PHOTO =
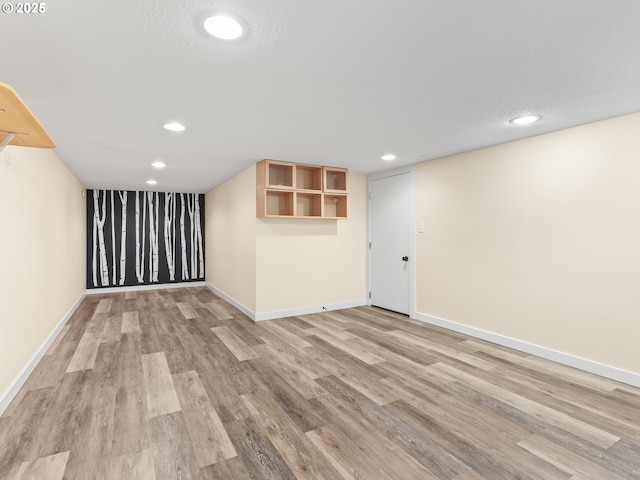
334,206
308,204
308,177
335,179
278,203
279,175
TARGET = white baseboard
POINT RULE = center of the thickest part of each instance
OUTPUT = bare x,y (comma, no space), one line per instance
308,310
135,288
613,373
15,387
247,311
259,317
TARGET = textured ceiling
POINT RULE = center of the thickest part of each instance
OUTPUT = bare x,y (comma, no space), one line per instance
329,82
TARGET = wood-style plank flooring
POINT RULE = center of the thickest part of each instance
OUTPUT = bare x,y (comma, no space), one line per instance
177,384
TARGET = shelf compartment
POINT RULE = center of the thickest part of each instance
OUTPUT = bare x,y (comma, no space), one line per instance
308,205
279,175
308,177
334,206
278,203
335,179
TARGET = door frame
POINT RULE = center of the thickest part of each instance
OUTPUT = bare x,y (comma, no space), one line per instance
411,170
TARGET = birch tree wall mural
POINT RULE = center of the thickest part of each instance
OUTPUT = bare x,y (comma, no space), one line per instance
136,242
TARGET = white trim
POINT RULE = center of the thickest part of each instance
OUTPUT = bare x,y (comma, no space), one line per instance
259,317
411,170
247,311
135,288
607,371
15,387
308,310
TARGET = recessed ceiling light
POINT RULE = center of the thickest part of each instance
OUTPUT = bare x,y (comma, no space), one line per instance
174,127
158,164
388,157
223,27
525,119
152,182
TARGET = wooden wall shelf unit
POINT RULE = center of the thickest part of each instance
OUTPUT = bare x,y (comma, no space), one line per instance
18,126
296,190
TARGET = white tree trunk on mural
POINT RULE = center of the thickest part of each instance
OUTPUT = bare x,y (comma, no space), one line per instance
113,241
94,257
123,236
194,245
169,242
175,201
199,236
156,259
153,237
100,219
185,267
144,233
140,247
151,234
138,237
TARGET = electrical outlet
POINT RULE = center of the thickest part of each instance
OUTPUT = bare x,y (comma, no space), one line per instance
420,227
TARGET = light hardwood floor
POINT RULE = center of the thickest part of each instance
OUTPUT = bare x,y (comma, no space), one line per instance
177,384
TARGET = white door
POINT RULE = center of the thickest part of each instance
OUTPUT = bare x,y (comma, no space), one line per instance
390,210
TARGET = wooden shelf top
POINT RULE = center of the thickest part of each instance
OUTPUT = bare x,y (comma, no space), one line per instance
15,117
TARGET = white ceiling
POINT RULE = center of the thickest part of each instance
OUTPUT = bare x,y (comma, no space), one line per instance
332,82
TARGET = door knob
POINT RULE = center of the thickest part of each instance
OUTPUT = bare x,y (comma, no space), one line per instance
405,259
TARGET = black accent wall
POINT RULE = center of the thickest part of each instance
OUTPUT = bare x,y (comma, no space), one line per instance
161,239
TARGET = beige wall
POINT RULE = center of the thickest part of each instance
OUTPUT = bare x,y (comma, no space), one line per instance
539,240
42,253
231,238
280,265
312,263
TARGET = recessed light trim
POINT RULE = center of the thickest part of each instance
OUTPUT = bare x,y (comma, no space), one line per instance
388,157
174,127
525,119
158,164
223,27
152,182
